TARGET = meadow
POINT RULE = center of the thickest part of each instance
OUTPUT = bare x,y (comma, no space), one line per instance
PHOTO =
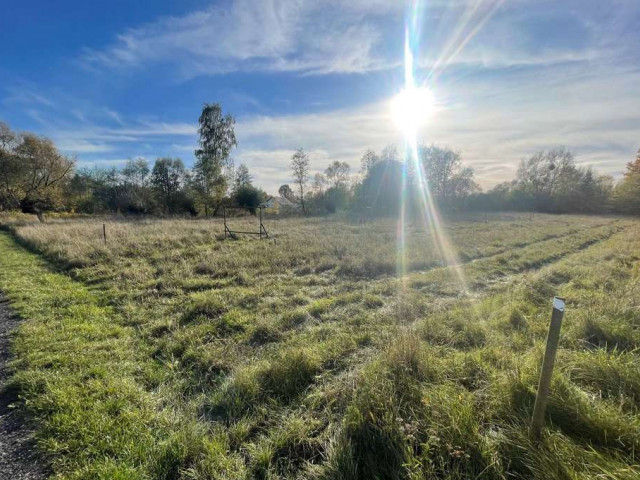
331,350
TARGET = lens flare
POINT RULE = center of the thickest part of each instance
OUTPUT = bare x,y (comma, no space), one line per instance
411,108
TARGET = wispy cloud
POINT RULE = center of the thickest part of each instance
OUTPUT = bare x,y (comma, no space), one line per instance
75,147
286,35
24,95
328,36
102,162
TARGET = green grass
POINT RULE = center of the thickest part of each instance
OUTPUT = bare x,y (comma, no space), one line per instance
172,353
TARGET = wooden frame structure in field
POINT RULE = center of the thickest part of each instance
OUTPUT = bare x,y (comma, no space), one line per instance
262,231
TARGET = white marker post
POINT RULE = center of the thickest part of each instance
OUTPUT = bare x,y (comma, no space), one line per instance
553,339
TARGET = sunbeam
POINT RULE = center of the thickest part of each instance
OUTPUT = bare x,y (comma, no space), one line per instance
473,19
411,108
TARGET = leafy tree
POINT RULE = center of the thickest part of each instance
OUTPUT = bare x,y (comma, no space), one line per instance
583,191
111,190
167,179
136,172
32,172
217,139
286,192
633,168
138,197
79,192
243,178
379,191
338,174
626,196
300,170
249,197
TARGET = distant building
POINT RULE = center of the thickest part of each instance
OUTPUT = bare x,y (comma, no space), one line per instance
280,205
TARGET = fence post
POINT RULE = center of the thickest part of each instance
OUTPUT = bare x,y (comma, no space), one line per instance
104,233
224,219
542,397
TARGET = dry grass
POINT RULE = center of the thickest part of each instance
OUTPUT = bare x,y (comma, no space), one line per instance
316,358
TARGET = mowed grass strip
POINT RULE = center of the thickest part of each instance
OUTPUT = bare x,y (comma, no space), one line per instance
82,374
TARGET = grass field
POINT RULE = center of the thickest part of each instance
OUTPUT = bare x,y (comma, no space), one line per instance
172,353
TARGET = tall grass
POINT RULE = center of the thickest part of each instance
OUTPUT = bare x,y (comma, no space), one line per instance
312,358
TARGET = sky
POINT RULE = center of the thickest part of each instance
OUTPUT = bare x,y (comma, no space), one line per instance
115,80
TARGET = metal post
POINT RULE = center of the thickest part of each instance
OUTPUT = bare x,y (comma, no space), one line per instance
260,208
542,398
224,217
104,233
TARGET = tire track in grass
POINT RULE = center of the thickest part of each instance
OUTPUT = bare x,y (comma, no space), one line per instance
302,407
534,264
515,244
350,368
490,269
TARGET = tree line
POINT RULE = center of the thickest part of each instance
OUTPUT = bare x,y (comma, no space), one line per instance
549,181
35,177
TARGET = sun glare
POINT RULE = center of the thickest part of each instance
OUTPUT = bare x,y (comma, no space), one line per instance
411,108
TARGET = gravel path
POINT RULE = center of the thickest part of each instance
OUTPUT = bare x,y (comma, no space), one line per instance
18,458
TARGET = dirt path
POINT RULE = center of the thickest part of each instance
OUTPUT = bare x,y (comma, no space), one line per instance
18,460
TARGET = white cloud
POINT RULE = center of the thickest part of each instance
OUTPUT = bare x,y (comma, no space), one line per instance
287,35
332,36
75,147
102,162
23,95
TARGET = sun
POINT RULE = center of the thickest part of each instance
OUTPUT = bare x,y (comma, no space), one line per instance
411,108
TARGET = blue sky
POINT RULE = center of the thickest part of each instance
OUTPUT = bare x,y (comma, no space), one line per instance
113,80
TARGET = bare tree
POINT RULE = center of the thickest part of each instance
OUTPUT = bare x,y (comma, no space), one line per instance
319,183
368,161
446,176
370,158
136,171
338,174
300,170
545,171
390,153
